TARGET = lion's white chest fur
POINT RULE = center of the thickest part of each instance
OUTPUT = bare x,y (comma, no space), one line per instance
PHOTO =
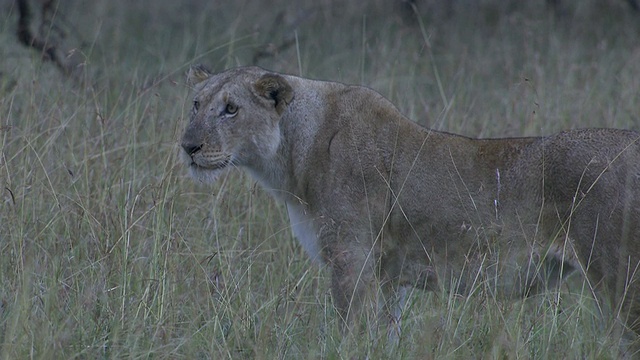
304,230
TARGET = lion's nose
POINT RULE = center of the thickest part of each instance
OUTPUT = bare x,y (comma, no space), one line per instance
191,149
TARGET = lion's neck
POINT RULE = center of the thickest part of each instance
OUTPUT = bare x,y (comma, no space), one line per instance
283,174
271,175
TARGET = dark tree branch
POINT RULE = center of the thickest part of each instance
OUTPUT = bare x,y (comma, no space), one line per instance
26,36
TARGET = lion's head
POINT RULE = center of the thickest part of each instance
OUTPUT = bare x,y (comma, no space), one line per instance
234,120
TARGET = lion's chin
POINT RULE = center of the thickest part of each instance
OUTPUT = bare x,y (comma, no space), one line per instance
204,175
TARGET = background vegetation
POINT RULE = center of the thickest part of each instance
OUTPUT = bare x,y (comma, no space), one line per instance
108,250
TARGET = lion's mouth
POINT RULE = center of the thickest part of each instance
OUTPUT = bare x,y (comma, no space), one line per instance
212,166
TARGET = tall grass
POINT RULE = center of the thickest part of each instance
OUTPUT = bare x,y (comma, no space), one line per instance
108,250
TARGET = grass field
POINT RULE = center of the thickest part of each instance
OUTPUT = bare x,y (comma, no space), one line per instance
108,249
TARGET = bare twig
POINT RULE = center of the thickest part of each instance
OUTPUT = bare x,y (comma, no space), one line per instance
287,30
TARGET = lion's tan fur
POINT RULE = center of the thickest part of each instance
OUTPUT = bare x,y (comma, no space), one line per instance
385,202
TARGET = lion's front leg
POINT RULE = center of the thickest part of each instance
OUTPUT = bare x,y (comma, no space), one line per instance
352,282
395,298
363,294
362,298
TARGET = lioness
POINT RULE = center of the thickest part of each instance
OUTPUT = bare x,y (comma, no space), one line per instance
384,202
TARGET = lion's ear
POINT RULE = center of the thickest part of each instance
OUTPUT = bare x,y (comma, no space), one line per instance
197,74
275,87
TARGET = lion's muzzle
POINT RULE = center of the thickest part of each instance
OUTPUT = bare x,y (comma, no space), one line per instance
191,148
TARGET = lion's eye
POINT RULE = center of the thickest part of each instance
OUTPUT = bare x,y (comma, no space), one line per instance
231,109
196,105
